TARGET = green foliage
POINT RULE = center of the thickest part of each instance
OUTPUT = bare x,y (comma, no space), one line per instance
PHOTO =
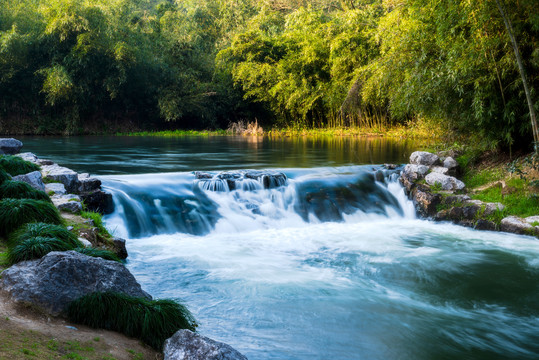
40,229
16,212
4,176
97,219
151,321
104,254
21,190
35,248
14,165
475,178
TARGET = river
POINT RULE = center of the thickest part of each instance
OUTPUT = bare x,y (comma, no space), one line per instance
329,264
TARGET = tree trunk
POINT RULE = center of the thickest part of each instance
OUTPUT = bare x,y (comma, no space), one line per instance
533,118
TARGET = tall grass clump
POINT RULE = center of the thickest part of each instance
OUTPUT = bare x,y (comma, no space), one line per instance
97,218
35,248
40,229
152,321
21,190
14,165
4,176
16,212
104,254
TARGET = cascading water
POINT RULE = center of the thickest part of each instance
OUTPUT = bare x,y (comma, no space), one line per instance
327,263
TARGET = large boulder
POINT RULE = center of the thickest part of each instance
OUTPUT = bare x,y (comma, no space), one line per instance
88,184
66,176
98,201
52,282
426,203
446,182
423,158
34,179
187,345
10,146
415,172
517,225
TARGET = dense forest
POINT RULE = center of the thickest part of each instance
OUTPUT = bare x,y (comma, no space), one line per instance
71,66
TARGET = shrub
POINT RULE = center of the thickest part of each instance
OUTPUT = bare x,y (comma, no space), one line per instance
40,229
21,190
35,248
4,176
152,321
14,165
104,254
16,212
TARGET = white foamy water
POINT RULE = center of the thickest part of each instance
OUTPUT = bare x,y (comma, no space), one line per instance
279,274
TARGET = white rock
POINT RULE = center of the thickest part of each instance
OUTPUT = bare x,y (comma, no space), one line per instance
516,225
56,188
440,170
423,158
34,179
491,208
415,172
450,163
187,345
447,182
10,146
64,175
28,156
85,242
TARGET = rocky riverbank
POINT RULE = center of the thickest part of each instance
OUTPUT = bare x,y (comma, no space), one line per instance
430,180
52,283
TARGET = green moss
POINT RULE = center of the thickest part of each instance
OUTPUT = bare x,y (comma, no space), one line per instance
14,165
104,254
151,321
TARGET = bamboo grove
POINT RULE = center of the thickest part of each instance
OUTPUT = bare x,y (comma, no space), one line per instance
83,66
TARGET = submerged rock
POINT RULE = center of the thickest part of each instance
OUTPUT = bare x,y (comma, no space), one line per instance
34,179
52,282
10,146
187,345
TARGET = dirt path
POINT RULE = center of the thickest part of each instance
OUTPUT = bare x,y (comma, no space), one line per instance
27,334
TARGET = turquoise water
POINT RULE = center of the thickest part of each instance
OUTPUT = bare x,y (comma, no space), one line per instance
333,264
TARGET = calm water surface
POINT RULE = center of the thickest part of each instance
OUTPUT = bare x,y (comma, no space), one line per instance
331,265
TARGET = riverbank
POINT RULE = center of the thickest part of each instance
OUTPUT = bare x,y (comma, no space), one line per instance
496,192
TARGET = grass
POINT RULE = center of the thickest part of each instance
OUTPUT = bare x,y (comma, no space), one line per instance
32,230
18,344
476,178
97,218
16,212
4,262
14,165
21,190
152,321
104,254
4,176
36,248
176,133
520,202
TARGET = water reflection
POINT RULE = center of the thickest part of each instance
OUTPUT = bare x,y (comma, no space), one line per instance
136,155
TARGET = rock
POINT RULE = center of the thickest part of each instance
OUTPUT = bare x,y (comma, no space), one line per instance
452,165
379,176
52,282
85,242
28,156
73,207
187,345
482,224
88,184
34,179
56,188
203,175
491,208
68,202
516,225
455,199
446,182
459,214
531,219
407,183
415,172
119,245
440,170
425,201
10,146
90,234
390,166
45,162
98,201
474,202
61,174
423,158
270,180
